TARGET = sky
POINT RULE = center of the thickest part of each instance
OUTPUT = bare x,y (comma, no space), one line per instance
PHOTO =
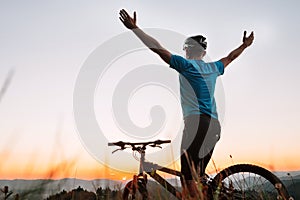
47,44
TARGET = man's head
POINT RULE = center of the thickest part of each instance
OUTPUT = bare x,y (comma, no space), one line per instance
195,47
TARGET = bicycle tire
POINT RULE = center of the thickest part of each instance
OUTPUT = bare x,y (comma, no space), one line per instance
130,190
246,181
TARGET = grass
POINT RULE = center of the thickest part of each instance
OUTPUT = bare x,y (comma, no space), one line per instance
155,190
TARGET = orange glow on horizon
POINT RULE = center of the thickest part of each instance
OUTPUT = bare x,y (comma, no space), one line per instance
96,172
87,168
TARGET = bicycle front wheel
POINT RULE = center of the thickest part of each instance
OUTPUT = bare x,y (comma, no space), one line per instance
246,181
136,190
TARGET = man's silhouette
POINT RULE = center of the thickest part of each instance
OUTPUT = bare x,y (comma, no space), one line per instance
197,84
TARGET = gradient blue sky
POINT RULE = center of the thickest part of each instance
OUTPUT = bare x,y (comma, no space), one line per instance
46,43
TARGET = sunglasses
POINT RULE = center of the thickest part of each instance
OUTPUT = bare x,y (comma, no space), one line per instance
185,46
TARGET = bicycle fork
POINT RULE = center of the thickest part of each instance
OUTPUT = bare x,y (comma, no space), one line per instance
151,169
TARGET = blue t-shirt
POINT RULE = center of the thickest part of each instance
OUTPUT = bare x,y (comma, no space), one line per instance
197,85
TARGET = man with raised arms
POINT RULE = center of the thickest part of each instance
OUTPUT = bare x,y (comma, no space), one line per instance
197,85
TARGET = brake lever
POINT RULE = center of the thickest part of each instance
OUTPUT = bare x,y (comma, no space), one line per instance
121,149
155,145
115,151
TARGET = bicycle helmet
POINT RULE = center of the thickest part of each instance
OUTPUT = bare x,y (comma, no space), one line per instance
195,41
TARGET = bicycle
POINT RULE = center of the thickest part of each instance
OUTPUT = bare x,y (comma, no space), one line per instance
240,181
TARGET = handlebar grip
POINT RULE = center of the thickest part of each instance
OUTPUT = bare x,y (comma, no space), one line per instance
120,144
162,141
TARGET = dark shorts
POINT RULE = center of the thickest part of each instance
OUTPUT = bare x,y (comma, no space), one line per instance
200,135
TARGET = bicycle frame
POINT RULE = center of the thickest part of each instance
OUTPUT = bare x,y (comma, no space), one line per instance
216,184
151,168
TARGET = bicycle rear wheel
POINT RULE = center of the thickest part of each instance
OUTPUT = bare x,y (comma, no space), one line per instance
246,181
136,191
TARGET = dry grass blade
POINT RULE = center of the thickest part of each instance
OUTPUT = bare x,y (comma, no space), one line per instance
6,83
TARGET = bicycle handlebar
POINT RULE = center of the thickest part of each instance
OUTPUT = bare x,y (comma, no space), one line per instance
133,145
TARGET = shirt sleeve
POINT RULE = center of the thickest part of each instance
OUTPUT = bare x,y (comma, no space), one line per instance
178,63
220,67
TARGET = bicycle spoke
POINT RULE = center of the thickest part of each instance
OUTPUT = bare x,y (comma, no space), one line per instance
250,182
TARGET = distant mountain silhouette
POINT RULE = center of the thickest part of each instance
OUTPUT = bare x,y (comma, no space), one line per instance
75,194
43,189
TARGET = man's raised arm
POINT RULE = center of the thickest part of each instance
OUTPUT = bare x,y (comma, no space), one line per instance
247,41
149,41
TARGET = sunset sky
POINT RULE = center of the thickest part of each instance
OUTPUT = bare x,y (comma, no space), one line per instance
46,44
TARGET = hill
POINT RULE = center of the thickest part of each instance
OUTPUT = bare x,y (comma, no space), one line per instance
42,189
39,189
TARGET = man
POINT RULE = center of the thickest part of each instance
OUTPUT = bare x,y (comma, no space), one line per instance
197,85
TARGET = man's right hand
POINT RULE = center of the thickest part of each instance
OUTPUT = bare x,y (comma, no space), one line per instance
149,41
248,40
128,21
